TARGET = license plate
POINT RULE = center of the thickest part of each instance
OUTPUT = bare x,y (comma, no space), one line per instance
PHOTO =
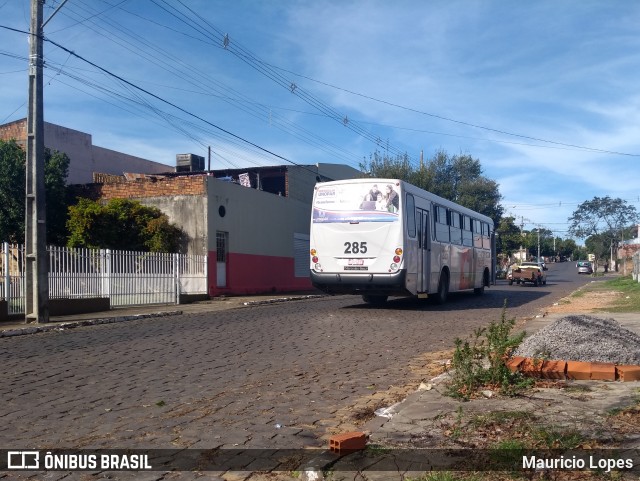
356,262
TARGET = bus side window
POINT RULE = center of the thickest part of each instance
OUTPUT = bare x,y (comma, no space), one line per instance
467,235
442,226
486,237
411,216
456,231
477,233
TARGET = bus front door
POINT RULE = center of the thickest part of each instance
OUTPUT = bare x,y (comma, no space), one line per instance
424,251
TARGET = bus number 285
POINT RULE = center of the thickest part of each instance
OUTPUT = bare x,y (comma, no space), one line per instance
355,247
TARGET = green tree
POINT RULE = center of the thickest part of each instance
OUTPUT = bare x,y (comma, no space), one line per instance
12,193
599,215
380,165
509,238
540,237
121,224
604,220
457,178
599,244
56,170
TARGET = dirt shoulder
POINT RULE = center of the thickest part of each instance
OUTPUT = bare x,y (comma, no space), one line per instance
581,415
586,301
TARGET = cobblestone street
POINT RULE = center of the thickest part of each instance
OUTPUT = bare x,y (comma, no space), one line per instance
272,376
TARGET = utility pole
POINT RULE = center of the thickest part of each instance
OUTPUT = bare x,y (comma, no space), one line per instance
36,275
522,235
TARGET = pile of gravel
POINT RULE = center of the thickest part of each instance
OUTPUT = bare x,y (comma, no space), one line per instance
583,338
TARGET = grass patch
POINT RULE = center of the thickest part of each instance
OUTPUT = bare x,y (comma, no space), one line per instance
510,445
500,418
579,293
447,476
578,388
629,300
554,439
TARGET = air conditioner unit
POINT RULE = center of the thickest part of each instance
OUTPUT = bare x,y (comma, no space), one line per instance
189,163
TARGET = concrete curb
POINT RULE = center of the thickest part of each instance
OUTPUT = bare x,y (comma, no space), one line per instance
283,299
22,331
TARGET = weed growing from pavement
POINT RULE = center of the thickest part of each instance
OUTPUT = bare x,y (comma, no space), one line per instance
456,430
377,449
481,362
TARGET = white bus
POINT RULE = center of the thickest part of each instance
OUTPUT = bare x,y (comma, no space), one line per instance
385,237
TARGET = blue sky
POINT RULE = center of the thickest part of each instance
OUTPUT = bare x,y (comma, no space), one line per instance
543,93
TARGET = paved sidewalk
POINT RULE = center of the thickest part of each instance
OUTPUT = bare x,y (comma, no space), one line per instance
16,328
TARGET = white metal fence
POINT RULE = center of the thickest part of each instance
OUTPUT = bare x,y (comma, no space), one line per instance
12,278
126,278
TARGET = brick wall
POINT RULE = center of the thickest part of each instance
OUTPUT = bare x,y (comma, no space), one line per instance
15,130
136,189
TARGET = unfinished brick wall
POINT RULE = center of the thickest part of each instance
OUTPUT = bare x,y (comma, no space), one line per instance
141,188
15,131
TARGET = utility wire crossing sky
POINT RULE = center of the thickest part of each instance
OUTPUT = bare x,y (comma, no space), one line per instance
544,94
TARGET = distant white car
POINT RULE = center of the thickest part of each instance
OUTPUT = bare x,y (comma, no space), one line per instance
541,278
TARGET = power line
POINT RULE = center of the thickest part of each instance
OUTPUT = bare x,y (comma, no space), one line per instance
268,70
264,68
263,113
160,60
175,106
469,124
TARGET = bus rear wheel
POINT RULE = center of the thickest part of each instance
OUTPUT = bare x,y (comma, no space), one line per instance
443,288
374,300
485,283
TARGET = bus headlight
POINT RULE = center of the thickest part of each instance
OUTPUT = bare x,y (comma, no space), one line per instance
318,267
393,267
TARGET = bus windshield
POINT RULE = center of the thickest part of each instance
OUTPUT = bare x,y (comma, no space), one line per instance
357,202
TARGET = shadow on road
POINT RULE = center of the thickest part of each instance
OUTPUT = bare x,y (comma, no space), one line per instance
492,298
